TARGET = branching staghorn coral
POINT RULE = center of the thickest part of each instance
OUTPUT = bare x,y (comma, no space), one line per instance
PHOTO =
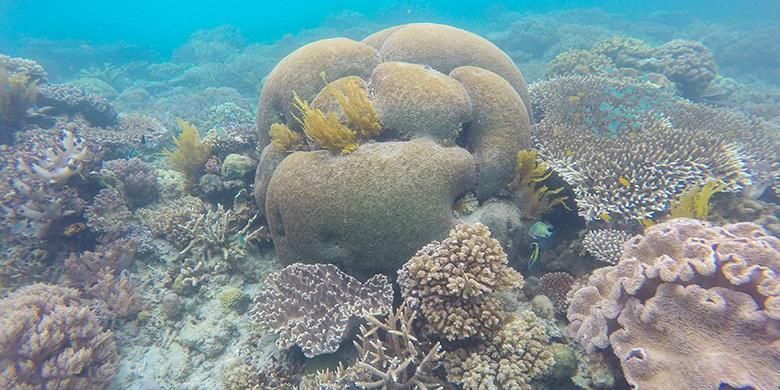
517,354
390,356
528,190
190,154
452,283
690,302
325,129
633,164
312,305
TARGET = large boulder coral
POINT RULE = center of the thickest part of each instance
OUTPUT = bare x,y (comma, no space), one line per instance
688,291
413,83
367,211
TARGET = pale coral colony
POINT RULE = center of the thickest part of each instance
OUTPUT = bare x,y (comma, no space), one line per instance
402,211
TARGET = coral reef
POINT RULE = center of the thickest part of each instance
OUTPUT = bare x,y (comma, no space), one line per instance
703,292
528,190
134,178
556,286
598,153
415,106
311,305
318,209
22,66
695,201
582,62
71,100
453,283
17,96
390,355
517,354
108,213
190,153
51,339
606,245
689,64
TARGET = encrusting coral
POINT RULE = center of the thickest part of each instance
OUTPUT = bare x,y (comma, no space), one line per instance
517,354
527,188
190,153
51,339
688,300
311,305
453,283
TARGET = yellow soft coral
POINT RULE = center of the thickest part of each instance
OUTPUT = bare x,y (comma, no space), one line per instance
695,201
17,95
325,129
534,197
190,154
284,138
353,100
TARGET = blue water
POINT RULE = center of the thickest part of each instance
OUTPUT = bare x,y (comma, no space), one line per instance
163,25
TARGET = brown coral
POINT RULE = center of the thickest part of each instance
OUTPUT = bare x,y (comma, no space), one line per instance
50,339
452,283
698,275
517,354
556,286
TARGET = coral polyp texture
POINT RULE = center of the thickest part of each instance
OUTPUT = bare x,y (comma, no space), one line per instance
311,305
442,102
690,302
606,245
452,283
628,149
517,354
51,339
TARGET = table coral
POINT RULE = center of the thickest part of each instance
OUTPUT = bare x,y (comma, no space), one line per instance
311,305
452,283
606,245
705,280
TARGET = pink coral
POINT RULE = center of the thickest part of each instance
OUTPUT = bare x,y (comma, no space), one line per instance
675,287
50,340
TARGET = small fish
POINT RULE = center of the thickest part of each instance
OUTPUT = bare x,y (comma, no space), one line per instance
534,254
540,230
605,216
574,99
568,153
624,182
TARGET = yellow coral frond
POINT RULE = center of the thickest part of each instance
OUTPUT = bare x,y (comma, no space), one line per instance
695,201
360,113
284,138
190,153
325,129
533,197
17,95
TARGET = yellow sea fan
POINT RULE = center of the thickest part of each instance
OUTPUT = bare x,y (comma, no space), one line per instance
284,138
353,100
534,198
17,95
325,129
190,153
695,201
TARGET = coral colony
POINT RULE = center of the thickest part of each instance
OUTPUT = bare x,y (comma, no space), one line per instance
373,224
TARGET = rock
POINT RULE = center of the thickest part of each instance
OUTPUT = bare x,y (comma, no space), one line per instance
237,166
